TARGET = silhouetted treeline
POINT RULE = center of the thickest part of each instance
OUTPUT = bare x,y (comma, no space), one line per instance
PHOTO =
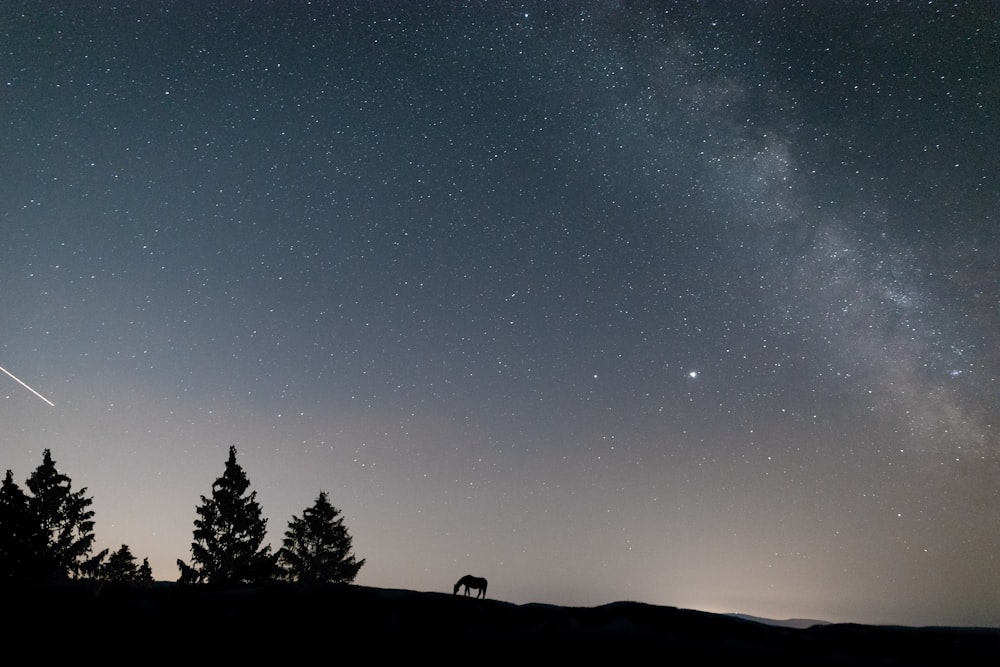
228,546
47,535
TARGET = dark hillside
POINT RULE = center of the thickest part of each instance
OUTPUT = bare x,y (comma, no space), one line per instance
305,622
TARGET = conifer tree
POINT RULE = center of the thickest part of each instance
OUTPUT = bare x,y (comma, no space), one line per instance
20,536
317,547
121,567
65,521
145,573
93,567
229,534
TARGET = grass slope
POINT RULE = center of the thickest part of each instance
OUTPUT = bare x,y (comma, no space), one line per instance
290,622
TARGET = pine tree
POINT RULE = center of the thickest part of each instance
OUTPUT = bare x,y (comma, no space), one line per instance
317,547
228,534
144,575
93,567
64,519
20,535
121,567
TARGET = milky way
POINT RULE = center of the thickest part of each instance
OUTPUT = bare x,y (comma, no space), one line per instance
691,304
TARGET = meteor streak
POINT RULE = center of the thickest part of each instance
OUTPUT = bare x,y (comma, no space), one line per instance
18,380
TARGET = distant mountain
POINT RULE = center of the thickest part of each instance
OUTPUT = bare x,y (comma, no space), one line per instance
800,623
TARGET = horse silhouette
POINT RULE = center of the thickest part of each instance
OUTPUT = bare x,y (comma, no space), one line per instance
472,582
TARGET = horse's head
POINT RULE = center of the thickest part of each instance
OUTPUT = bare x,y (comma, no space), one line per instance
457,586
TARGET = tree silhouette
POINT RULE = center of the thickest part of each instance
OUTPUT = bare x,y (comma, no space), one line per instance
144,574
317,547
64,521
228,534
20,536
121,568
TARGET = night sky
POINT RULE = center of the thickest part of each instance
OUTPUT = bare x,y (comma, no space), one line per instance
694,305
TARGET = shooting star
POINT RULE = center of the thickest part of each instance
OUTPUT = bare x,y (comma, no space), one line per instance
18,380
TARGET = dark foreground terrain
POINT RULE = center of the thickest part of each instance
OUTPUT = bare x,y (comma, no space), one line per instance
330,623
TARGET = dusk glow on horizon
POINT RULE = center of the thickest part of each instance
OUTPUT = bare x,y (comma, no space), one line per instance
692,304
